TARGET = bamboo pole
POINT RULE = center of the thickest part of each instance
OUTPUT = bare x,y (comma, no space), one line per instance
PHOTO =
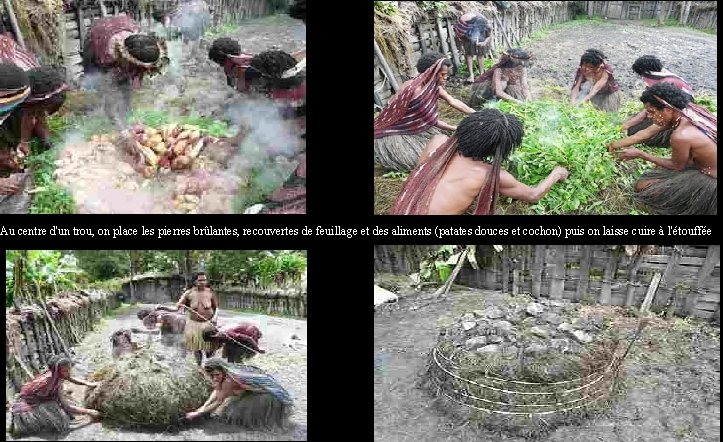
584,273
711,260
453,44
652,289
557,285
14,24
385,67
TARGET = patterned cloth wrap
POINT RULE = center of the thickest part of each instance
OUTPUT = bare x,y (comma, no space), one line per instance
405,115
651,78
612,84
418,190
235,68
291,198
10,52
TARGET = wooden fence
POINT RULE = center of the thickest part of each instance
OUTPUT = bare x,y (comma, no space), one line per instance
433,34
690,284
30,337
700,16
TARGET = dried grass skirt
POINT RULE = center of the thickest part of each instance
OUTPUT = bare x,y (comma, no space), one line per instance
687,192
485,91
401,152
46,416
255,411
193,334
608,102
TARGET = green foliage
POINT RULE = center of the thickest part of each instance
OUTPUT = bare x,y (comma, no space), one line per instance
386,8
49,270
154,118
103,264
575,138
709,102
279,269
398,175
464,72
432,6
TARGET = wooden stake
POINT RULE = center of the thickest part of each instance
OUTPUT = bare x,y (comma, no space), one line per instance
14,23
385,67
584,273
23,366
652,289
453,44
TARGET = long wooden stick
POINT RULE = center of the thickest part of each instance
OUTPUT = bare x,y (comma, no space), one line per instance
385,67
23,366
14,23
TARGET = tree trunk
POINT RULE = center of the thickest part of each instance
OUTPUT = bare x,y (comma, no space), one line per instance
684,10
448,284
661,8
133,262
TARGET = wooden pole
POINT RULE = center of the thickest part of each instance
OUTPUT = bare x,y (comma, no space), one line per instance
537,265
668,280
453,44
652,289
557,285
608,276
502,31
632,278
711,260
442,40
421,39
14,23
385,67
584,273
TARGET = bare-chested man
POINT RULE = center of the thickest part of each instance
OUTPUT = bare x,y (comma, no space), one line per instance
687,182
466,173
202,308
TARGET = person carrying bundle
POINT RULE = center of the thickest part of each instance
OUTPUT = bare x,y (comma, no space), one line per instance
687,182
117,49
640,128
455,172
42,405
475,33
245,396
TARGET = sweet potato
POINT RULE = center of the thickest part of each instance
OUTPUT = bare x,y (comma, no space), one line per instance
151,131
182,162
184,134
160,148
149,171
196,149
155,139
180,147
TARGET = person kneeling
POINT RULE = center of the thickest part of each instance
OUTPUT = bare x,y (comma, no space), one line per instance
454,172
42,405
244,395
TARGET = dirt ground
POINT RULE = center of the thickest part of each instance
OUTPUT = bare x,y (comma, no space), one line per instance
689,53
672,377
287,365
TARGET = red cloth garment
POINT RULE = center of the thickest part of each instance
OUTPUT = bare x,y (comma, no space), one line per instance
292,196
235,67
45,387
612,84
651,78
418,190
102,32
405,115
11,52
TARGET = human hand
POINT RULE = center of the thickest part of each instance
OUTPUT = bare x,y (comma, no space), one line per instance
191,415
624,129
614,145
93,413
630,153
560,173
91,384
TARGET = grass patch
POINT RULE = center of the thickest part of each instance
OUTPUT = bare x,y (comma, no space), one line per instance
673,23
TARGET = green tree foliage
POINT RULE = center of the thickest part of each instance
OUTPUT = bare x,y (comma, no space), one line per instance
103,264
46,271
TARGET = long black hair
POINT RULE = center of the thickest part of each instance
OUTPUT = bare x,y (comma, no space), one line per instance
647,63
509,62
272,65
593,57
223,47
143,47
480,133
12,77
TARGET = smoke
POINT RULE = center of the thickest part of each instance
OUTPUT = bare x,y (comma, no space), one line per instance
549,126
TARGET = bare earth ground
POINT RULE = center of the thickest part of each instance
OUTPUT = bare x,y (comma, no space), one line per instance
673,379
689,53
287,365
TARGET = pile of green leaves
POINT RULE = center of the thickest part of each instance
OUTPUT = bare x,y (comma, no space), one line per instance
154,118
557,134
386,8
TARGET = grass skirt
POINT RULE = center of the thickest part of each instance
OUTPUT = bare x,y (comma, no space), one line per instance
485,91
401,152
601,101
661,139
193,335
255,411
46,416
472,49
687,192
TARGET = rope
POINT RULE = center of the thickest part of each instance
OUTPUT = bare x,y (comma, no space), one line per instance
434,356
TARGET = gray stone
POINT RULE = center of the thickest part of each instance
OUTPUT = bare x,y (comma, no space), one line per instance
494,339
535,349
552,318
534,309
502,326
539,331
565,327
468,317
562,345
494,312
479,313
582,337
475,342
469,325
510,350
489,349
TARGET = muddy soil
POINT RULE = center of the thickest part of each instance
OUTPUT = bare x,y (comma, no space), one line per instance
672,377
689,53
286,364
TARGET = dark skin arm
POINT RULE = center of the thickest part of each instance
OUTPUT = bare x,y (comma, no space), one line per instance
499,88
514,189
455,103
678,160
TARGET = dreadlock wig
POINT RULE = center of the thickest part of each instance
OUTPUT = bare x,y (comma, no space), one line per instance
268,69
47,89
593,56
223,47
143,47
647,63
486,133
264,403
38,408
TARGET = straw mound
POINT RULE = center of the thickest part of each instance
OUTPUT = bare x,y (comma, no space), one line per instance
66,303
140,391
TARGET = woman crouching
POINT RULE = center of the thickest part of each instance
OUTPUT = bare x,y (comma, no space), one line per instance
244,395
42,405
